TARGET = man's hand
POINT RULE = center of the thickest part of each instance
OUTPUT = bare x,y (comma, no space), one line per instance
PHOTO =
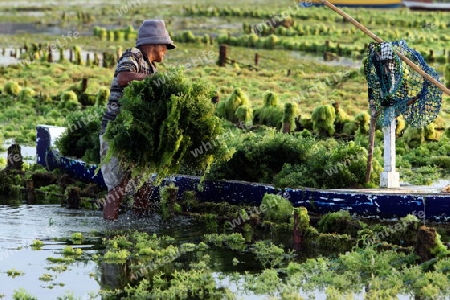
123,78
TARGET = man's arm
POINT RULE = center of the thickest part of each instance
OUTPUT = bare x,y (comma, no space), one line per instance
123,78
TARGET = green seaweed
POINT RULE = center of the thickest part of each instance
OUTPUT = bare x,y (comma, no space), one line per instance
236,108
119,255
77,238
271,113
60,260
46,277
12,88
323,118
14,273
68,251
22,294
276,208
269,254
37,244
81,139
334,221
168,116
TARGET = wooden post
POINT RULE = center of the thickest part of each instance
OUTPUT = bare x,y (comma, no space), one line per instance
88,59
286,127
31,195
223,55
256,59
173,192
372,129
50,55
96,60
73,198
84,84
297,237
15,159
104,60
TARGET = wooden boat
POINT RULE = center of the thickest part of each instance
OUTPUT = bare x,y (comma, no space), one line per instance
374,203
427,5
356,3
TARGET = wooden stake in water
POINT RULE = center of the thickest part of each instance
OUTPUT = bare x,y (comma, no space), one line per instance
297,236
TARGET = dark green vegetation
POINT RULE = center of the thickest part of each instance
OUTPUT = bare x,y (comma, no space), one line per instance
35,185
79,139
162,119
294,161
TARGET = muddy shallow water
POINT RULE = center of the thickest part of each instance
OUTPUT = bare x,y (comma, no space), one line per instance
21,224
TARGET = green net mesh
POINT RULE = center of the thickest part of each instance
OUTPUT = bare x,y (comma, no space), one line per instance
392,83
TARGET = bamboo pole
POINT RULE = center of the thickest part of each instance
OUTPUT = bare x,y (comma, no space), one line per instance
442,87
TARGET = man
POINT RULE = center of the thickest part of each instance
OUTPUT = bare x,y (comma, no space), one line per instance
135,64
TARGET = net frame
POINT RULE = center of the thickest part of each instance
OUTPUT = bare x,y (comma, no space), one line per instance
393,83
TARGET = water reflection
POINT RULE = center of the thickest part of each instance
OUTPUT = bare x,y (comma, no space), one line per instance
114,275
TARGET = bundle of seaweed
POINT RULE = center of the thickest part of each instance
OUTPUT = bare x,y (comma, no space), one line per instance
164,119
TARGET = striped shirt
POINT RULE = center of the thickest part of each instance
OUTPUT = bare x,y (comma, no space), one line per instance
132,60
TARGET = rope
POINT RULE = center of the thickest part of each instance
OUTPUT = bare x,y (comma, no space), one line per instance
442,87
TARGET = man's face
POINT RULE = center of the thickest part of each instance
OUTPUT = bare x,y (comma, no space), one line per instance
158,52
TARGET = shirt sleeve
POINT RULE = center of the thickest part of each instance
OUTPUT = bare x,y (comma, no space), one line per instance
128,62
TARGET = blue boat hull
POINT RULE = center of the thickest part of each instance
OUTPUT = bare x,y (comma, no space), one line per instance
434,207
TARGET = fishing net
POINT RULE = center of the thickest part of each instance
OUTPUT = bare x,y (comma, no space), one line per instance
393,83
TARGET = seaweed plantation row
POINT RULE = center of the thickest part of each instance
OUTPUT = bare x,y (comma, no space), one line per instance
319,30
323,121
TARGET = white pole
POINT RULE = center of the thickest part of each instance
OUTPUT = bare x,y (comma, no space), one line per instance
389,178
